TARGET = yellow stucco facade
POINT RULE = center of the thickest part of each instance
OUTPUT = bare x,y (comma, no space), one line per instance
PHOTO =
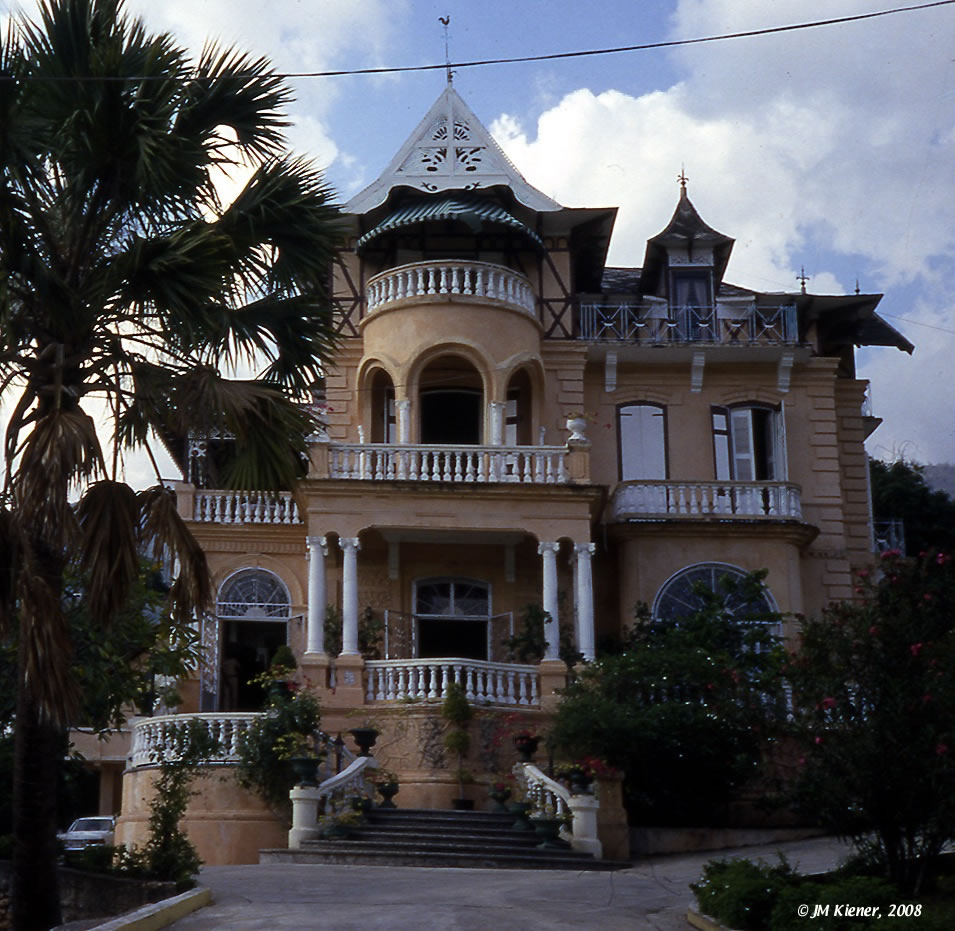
510,422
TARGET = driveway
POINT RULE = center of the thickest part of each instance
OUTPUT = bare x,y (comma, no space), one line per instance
652,894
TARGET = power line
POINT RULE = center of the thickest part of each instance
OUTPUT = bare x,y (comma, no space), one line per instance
931,326
553,56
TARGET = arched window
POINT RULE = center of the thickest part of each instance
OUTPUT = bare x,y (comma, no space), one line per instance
677,597
254,594
641,431
452,618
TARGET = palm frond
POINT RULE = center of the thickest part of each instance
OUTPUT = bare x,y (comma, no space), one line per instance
163,529
108,515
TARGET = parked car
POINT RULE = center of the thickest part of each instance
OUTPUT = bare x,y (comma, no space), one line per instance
88,832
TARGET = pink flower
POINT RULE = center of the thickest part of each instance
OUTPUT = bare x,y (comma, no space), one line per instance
873,631
801,761
915,649
941,559
863,573
941,749
927,698
818,740
828,703
890,554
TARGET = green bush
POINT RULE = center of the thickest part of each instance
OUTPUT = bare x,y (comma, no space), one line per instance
742,894
689,710
861,891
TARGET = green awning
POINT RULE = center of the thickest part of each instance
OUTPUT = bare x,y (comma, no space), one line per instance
474,213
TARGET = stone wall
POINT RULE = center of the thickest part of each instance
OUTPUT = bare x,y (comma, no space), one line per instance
89,895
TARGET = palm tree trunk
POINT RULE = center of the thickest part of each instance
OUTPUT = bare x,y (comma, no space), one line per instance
37,759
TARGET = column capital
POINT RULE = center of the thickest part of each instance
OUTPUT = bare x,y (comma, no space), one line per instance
588,549
349,543
543,548
311,542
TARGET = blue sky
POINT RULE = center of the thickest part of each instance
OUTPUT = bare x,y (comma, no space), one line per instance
830,148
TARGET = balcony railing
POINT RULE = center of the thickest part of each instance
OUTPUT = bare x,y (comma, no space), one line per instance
720,325
422,679
477,281
723,500
245,507
379,462
161,738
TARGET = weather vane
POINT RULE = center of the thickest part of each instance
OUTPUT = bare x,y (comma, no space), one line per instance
802,278
446,21
682,178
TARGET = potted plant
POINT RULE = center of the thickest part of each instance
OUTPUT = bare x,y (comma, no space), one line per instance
547,824
499,792
458,712
526,743
365,736
338,825
386,782
301,752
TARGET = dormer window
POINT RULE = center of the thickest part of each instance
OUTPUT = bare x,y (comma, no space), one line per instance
691,288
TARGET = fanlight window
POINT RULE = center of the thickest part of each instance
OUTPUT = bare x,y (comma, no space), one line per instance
677,598
254,594
453,598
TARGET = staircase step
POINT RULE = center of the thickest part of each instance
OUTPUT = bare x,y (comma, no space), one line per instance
438,838
352,852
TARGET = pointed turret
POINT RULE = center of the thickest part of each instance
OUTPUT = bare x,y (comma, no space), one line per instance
688,241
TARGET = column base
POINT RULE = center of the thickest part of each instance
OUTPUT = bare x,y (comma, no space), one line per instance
553,676
349,691
315,667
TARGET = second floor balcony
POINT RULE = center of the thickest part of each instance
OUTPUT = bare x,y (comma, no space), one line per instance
381,462
676,500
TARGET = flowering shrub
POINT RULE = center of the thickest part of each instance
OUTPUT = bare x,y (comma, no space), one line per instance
874,694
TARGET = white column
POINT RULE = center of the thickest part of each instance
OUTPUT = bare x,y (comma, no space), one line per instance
350,547
317,594
585,599
403,420
551,630
496,423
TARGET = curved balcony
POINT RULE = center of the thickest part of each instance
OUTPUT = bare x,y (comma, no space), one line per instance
453,280
656,500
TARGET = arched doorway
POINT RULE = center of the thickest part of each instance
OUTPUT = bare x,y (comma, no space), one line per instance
452,618
253,610
451,403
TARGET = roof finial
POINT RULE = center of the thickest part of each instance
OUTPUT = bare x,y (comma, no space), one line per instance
857,287
802,278
682,178
446,21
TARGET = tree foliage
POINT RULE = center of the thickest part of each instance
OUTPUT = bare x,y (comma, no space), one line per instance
900,492
128,285
874,691
687,709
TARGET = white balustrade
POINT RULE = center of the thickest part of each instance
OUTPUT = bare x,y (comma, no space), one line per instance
481,281
384,462
553,799
245,507
423,679
724,500
160,738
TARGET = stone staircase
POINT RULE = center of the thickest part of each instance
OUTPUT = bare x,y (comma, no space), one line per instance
425,837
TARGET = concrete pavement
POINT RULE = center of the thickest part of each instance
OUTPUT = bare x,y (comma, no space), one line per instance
653,894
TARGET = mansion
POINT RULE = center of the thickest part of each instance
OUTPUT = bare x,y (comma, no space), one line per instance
517,434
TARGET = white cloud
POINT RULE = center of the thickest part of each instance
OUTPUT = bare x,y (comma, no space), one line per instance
829,148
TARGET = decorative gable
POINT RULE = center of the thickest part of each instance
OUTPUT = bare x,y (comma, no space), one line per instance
450,151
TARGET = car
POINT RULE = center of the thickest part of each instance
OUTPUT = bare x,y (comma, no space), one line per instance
92,831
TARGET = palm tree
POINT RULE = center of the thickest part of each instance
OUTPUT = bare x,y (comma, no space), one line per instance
127,285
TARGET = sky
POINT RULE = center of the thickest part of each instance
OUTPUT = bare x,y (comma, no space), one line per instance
829,149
